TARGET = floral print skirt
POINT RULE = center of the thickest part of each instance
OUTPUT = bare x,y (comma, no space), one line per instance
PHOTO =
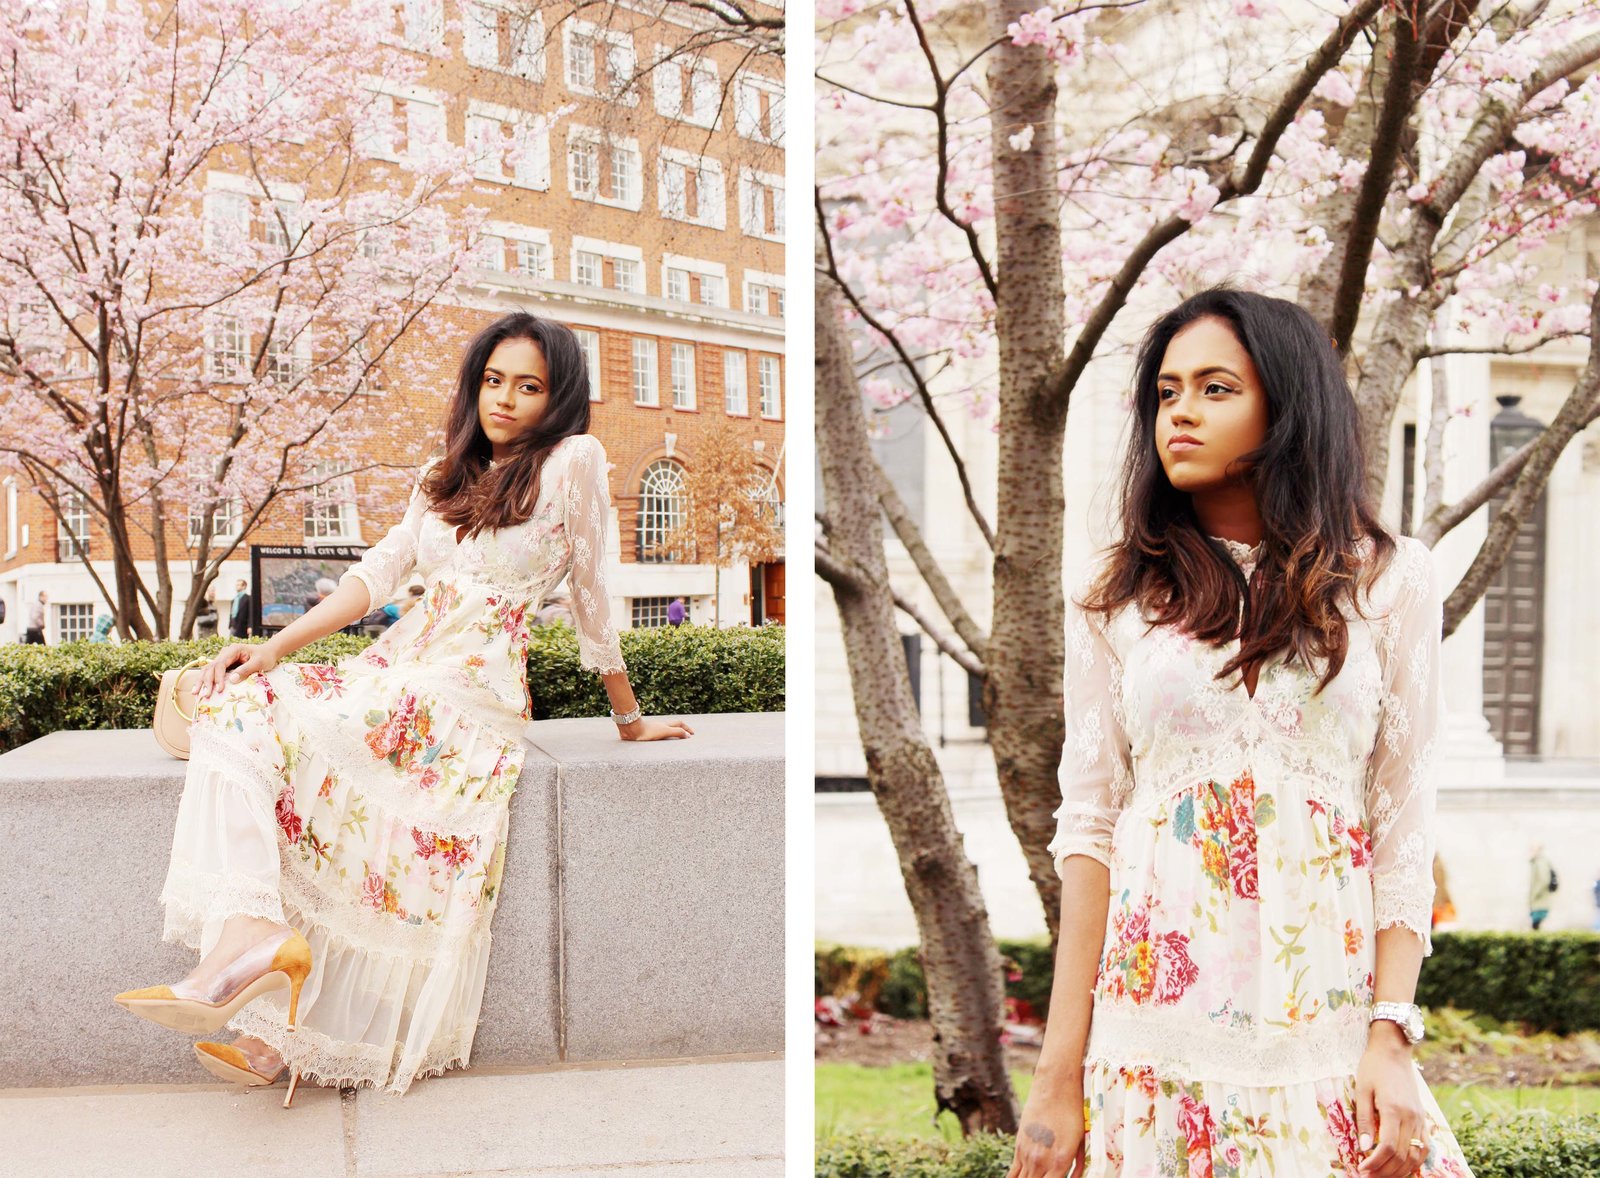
1140,1124
370,814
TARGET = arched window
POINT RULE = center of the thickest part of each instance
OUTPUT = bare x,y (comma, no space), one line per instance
661,509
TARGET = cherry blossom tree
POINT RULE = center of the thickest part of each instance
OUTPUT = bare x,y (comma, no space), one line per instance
218,220
998,184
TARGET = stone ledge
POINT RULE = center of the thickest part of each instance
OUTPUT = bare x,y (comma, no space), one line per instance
641,914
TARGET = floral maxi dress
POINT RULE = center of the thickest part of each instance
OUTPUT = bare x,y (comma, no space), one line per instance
365,802
1255,846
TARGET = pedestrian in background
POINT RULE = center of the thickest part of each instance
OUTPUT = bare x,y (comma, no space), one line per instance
102,628
1541,883
35,632
239,616
1444,909
1597,902
677,612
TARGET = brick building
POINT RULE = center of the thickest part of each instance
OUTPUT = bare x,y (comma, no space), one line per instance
649,218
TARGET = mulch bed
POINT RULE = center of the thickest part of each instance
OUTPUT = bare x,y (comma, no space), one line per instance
882,1040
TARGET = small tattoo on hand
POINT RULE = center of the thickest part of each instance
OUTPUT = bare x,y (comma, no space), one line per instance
1043,1135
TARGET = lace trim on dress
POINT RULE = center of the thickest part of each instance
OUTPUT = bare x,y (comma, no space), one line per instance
1171,1041
330,1062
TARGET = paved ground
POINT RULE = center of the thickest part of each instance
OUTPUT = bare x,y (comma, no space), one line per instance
715,1118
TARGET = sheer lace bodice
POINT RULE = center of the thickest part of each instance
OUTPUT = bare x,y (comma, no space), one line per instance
1235,826
483,591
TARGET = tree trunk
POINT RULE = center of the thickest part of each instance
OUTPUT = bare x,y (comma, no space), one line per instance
1023,692
959,958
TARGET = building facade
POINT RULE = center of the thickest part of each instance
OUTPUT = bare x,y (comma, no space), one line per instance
647,215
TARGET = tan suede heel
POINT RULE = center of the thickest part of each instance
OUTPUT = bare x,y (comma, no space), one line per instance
290,966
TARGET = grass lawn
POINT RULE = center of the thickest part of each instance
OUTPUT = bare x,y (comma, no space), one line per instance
897,1101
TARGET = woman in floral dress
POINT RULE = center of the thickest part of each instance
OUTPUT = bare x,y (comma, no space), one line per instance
1245,837
342,828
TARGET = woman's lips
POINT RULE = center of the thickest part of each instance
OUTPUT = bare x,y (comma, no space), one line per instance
1179,447
500,417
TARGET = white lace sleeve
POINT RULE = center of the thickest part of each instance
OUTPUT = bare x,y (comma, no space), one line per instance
390,561
1401,785
1096,765
587,515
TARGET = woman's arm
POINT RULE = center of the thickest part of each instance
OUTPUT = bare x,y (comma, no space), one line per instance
586,517
1050,1133
1096,780
1400,795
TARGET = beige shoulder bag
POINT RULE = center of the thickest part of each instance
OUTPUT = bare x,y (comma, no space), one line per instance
175,706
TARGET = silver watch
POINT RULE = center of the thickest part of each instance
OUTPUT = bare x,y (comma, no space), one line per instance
1407,1014
623,719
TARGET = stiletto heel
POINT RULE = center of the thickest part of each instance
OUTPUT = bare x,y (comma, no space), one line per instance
294,1078
204,1008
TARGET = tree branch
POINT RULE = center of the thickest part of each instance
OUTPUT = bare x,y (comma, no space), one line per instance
840,574
894,508
831,270
1324,59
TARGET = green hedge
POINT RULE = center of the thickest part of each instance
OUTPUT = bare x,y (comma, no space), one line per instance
674,670
1513,1145
1547,981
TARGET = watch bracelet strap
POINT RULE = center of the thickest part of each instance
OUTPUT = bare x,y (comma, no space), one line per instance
622,718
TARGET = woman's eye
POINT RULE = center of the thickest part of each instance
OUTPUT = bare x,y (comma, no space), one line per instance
1221,388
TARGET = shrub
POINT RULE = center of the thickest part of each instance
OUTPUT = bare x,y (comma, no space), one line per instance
1548,981
985,1155
1510,1145
677,670
1544,981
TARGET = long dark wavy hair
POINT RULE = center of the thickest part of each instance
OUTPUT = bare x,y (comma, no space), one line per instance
1321,536
462,487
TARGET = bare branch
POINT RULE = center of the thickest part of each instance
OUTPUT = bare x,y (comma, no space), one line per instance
831,270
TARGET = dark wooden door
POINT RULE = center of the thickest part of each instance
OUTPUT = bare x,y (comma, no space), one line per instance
772,582
1513,634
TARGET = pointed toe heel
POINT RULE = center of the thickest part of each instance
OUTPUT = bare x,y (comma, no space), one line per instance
206,1008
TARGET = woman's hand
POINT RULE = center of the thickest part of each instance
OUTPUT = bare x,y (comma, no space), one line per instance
1389,1106
251,658
649,728
1050,1141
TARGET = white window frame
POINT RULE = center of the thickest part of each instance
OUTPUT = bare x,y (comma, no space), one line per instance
227,217
486,125
772,365
72,528
635,271
298,355
705,173
646,381
217,324
11,516
421,25
663,503
675,284
74,620
701,269
522,61
682,375
747,91
227,515
418,106
736,361
614,251
605,167
589,341
753,187
768,284
582,265
615,47
679,80
339,491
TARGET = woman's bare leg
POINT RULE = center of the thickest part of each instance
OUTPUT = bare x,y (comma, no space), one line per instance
238,934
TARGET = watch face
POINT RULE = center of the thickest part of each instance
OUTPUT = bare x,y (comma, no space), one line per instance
1414,1026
